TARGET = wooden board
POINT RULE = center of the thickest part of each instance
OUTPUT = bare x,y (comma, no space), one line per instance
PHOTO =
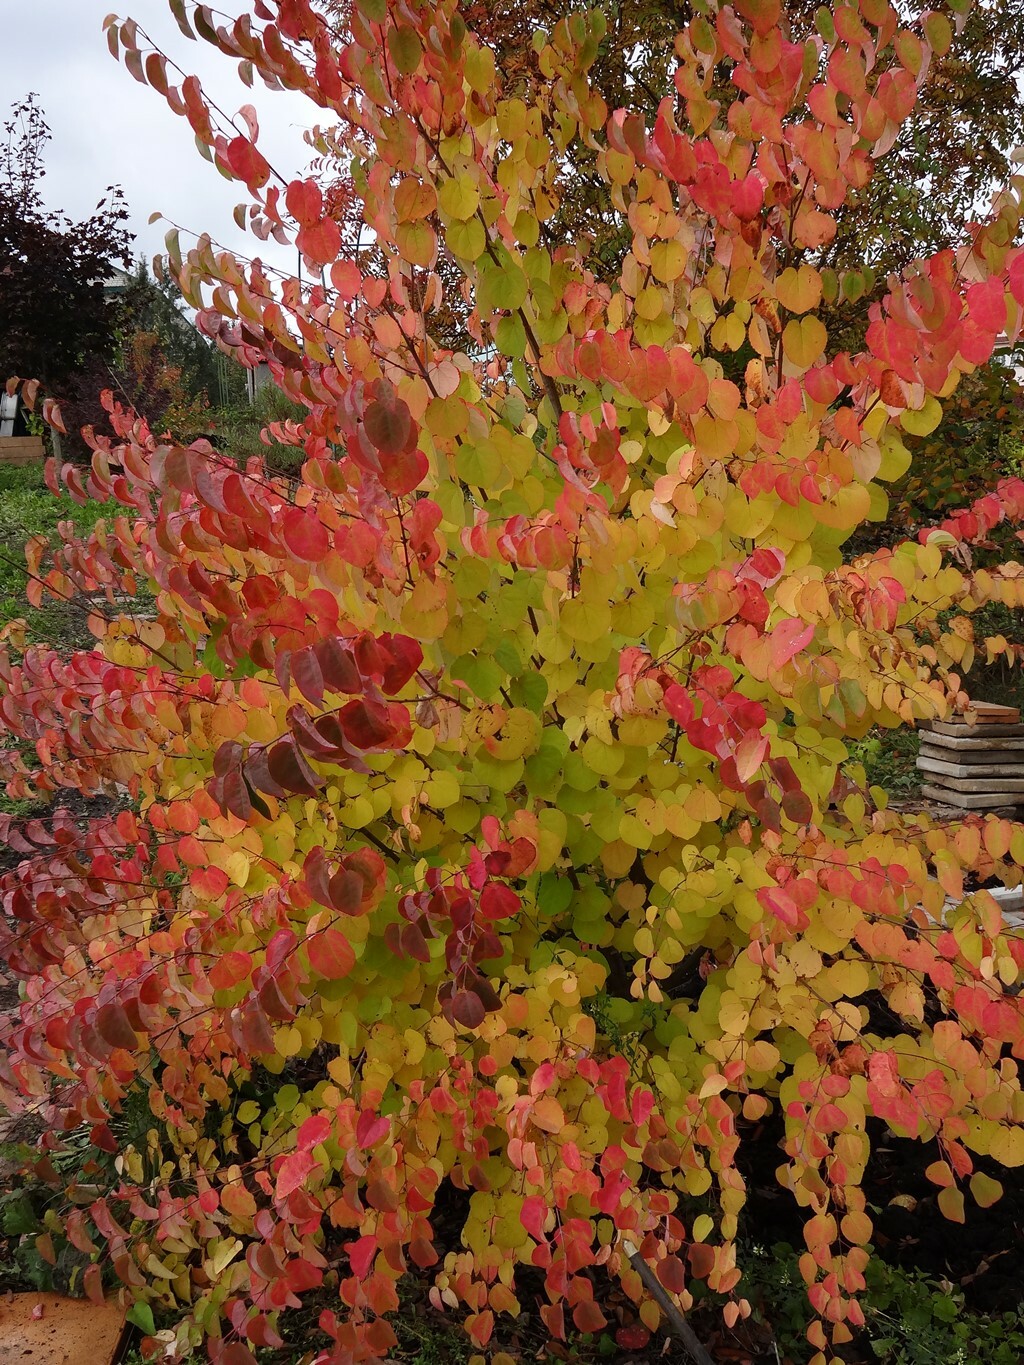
975,757
927,764
971,801
992,711
979,784
65,1332
21,449
970,744
981,731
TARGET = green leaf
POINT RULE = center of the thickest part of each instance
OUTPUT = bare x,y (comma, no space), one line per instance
480,674
405,48
502,286
468,240
510,336
553,894
141,1316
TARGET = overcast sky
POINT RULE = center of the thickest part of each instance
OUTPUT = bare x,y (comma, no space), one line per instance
109,129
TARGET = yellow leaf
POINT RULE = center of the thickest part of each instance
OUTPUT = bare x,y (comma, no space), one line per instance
922,421
586,620
799,290
703,1224
237,867
985,1190
803,341
548,1115
458,198
668,260
951,1203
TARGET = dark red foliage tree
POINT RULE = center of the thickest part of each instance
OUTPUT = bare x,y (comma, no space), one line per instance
54,313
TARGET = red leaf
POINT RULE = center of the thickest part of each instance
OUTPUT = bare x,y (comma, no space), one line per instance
403,472
406,656
370,1127
321,243
367,724
413,944
289,769
234,795
797,807
787,640
338,666
330,954
678,704
255,1029
114,1028
229,969
588,1317
305,535
316,1129
671,1274
388,424
247,163
883,1072
292,1173
533,1215
360,1256
237,1354
317,874
315,737
747,197
308,676
632,1338
498,901
92,1279
347,279
346,892
422,1253
52,417
305,202
468,1009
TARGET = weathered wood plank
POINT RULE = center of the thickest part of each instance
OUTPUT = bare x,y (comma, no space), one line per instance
980,731
971,801
21,449
979,784
927,764
968,744
992,710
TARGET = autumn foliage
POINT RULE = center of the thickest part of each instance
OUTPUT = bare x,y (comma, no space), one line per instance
483,831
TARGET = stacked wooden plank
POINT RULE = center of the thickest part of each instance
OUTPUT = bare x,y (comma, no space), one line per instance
974,761
21,449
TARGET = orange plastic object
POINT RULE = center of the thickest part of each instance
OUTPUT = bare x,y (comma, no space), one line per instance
47,1329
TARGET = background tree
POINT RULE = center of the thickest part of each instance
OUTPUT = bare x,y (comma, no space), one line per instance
159,365
54,312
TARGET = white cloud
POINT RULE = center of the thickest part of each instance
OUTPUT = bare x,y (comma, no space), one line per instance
109,129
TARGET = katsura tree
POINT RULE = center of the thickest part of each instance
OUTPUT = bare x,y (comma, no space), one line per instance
480,840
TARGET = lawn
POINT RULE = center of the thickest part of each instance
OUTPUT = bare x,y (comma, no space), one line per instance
28,508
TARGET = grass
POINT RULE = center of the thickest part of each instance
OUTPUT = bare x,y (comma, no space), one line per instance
889,758
27,509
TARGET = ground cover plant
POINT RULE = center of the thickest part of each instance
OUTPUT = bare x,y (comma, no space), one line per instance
493,859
